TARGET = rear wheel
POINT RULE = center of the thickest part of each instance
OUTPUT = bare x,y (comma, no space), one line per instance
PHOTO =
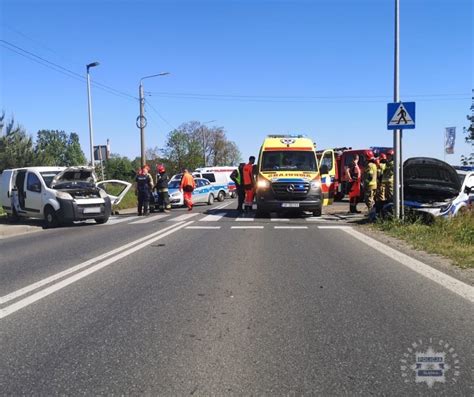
221,196
210,200
50,217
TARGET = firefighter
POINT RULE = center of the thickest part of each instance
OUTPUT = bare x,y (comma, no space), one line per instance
187,187
370,184
143,189
387,177
249,183
236,176
353,176
380,196
161,187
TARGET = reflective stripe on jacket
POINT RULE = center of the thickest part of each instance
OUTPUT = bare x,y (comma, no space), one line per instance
371,176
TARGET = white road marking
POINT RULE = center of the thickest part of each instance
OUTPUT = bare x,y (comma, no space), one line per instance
183,217
114,221
280,220
316,219
335,227
148,219
54,277
222,206
247,227
211,218
203,227
290,227
244,219
446,281
76,277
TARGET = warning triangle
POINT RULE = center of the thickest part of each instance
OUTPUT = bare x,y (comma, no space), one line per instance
401,117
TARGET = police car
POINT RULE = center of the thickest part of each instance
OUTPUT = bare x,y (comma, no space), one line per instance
218,177
204,192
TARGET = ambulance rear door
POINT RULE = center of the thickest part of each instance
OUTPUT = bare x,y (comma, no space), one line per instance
327,171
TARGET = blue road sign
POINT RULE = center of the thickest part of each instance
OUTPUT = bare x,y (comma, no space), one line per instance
401,115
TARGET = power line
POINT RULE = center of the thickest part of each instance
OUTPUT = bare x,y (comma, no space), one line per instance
159,114
59,68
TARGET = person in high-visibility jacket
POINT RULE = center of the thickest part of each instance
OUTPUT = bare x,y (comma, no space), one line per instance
380,195
187,186
387,177
249,183
370,183
236,176
353,176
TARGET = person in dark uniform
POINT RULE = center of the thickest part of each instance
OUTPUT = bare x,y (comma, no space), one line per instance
236,176
161,187
144,186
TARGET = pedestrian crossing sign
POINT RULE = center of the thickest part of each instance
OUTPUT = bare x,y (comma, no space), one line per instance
401,115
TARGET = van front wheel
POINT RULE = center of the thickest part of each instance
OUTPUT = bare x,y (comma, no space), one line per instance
50,217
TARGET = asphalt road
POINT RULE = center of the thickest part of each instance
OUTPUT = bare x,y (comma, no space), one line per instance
206,304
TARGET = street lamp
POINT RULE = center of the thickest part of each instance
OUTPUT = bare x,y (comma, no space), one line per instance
91,134
141,120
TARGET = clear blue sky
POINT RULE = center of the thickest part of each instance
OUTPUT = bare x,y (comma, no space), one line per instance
334,57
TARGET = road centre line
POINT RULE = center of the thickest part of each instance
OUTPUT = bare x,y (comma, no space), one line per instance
203,227
446,281
148,219
76,277
247,227
54,277
290,227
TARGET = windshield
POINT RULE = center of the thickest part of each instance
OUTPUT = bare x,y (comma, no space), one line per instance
285,160
48,177
173,184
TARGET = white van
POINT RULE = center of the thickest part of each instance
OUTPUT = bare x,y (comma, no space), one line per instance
59,195
219,178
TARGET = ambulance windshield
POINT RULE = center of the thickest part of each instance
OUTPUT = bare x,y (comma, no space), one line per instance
285,160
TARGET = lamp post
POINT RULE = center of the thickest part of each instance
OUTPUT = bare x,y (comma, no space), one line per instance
89,105
141,120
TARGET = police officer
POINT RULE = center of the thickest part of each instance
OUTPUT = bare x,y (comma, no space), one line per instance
161,187
370,184
144,186
236,176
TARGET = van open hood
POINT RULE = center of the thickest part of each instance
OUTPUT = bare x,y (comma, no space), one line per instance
429,180
85,175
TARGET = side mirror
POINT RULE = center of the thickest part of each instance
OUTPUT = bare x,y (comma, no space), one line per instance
324,169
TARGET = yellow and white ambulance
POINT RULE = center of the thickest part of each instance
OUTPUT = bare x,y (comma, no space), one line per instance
288,176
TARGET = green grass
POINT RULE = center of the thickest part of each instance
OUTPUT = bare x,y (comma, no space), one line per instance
129,201
452,238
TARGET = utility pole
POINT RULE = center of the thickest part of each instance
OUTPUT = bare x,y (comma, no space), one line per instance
141,120
89,107
396,133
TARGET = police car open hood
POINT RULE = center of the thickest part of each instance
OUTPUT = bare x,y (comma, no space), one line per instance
75,175
429,180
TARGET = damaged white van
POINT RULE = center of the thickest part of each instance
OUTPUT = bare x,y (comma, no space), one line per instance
59,195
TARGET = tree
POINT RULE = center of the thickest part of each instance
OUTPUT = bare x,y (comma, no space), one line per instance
16,146
118,167
183,150
57,148
469,131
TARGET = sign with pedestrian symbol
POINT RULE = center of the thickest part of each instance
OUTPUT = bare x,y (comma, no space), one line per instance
401,115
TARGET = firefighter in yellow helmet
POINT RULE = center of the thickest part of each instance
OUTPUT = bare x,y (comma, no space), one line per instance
370,183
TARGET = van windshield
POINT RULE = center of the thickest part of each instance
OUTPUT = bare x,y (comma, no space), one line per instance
285,160
48,177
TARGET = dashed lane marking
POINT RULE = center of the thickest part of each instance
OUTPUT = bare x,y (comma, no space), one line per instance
203,227
247,227
184,217
280,219
290,227
211,218
244,219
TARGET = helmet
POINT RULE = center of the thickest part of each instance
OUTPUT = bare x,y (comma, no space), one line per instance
383,157
390,152
371,158
160,168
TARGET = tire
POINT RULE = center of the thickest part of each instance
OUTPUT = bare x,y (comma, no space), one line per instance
233,195
101,221
210,200
318,212
50,218
221,196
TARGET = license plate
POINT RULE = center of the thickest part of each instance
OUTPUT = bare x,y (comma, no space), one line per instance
290,205
91,210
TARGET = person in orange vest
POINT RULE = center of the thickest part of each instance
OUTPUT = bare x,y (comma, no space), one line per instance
187,186
354,177
249,183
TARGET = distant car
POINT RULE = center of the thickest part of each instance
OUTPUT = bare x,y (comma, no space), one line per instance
203,193
433,187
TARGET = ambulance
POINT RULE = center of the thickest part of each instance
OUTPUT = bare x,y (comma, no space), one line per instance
289,176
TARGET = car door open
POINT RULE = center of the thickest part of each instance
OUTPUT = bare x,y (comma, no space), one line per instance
115,189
